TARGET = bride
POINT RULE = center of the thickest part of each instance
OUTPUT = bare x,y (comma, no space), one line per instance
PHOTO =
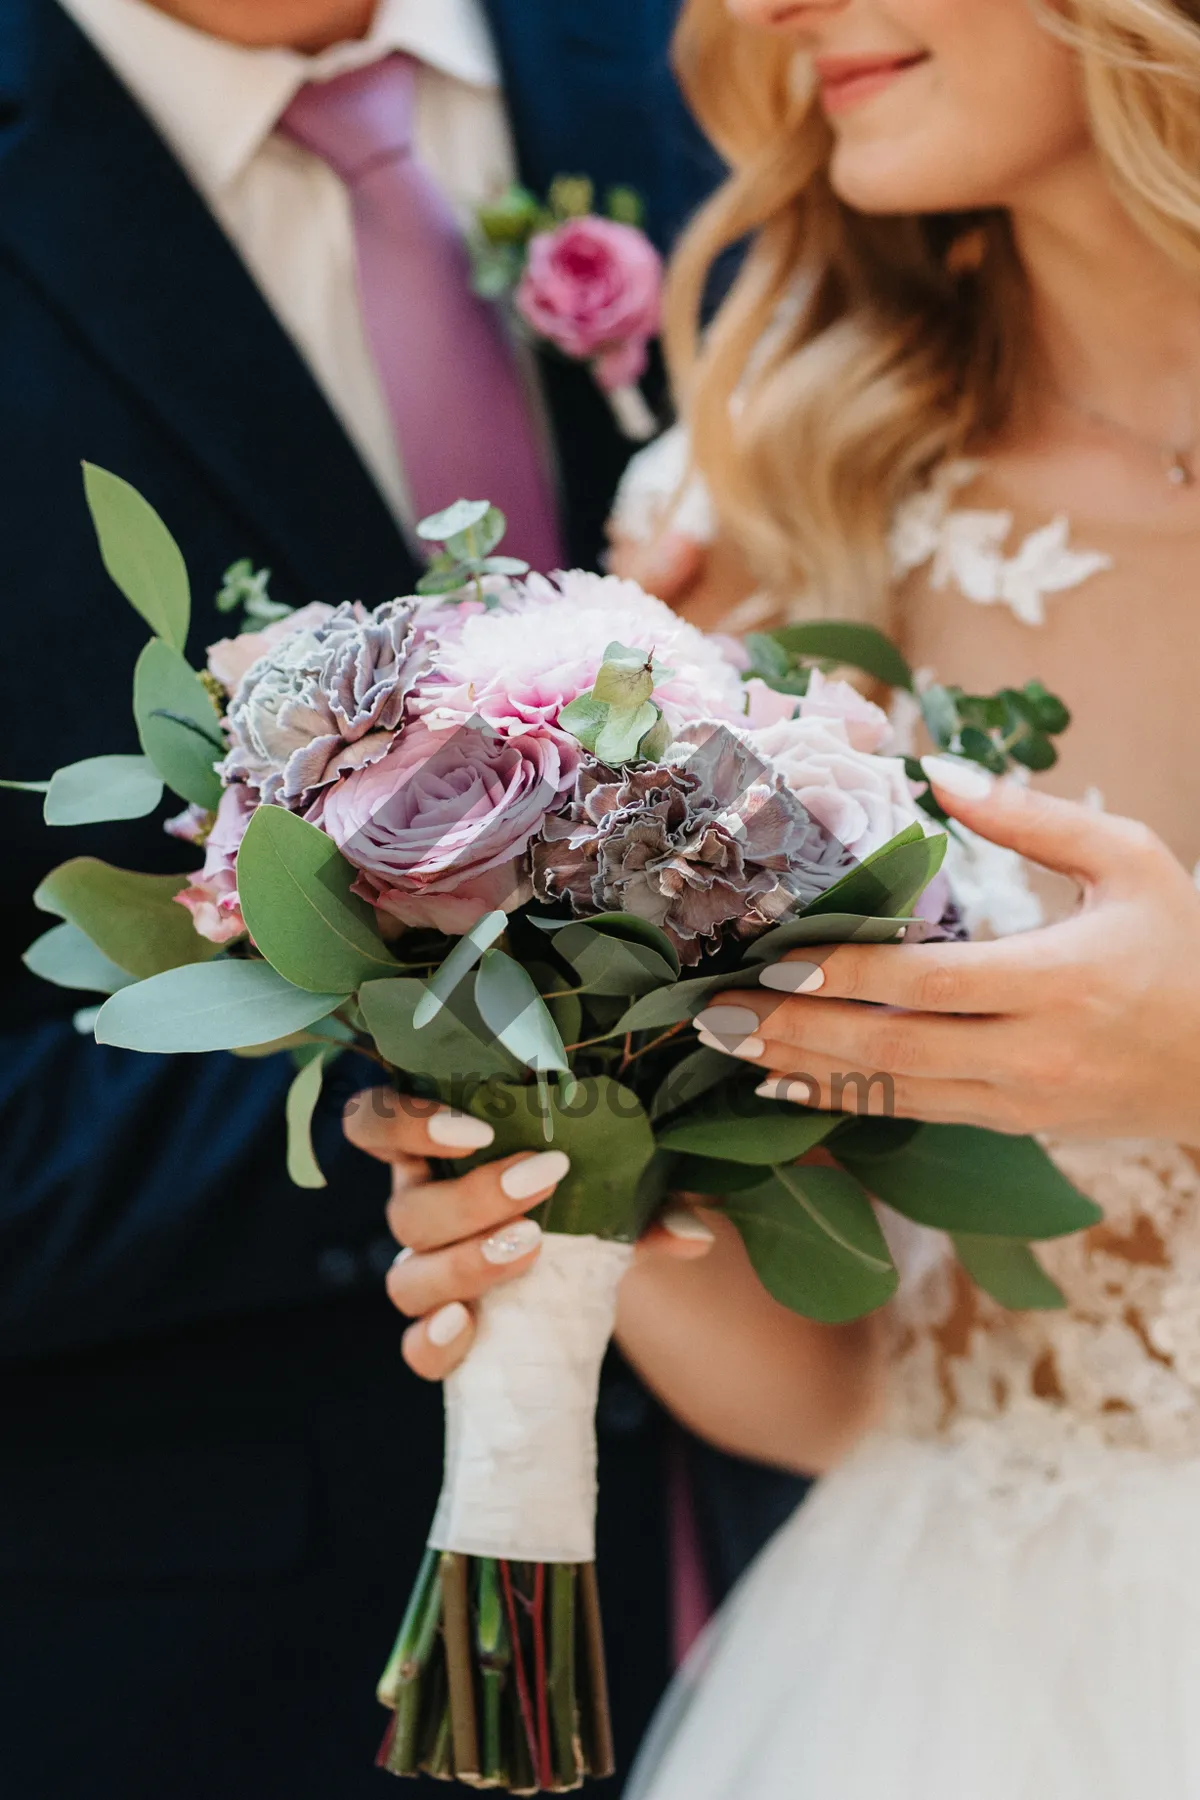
962,361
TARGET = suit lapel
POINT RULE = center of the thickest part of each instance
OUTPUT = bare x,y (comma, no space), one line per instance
108,226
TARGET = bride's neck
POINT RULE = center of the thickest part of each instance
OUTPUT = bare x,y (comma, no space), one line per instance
1116,323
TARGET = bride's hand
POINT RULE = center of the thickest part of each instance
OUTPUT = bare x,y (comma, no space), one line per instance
1091,1026
463,1236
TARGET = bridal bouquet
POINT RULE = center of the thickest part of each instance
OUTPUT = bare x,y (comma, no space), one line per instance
504,837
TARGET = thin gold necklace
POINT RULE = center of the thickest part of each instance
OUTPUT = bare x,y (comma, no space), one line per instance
1177,460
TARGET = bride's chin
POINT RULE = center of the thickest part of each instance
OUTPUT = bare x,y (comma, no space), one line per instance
883,177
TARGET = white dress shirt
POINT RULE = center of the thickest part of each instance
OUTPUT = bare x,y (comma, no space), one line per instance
216,105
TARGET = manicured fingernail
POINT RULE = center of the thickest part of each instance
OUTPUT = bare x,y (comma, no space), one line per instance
793,977
458,1130
963,780
514,1242
803,1092
401,1256
535,1174
750,1047
682,1222
727,1021
449,1322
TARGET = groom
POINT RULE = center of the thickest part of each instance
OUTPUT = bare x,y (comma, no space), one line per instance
215,1473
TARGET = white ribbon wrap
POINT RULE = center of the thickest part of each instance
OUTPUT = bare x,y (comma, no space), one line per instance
520,1478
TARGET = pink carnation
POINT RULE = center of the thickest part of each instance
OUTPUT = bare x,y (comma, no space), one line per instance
593,287
211,897
439,827
229,658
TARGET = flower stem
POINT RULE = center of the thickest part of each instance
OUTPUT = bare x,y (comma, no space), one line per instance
526,1705
600,1756
400,1684
456,1628
568,1751
495,1655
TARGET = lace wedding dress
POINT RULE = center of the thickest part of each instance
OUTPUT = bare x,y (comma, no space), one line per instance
997,1596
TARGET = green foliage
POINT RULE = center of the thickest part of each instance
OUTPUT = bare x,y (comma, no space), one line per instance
516,1014
1013,726
66,957
294,888
961,1178
456,1045
888,883
133,919
686,1080
571,196
140,555
826,928
1009,1272
624,204
305,1091
831,1275
220,1005
177,724
458,964
512,219
843,643
618,954
102,788
468,531
616,719
245,586
739,1126
604,1130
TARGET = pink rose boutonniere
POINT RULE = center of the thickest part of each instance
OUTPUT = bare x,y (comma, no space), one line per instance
587,283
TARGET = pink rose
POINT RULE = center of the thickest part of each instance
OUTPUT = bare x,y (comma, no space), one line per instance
594,288
212,897
867,725
229,658
439,827
864,800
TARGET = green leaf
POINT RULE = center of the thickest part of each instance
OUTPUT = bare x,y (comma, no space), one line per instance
940,713
27,787
713,1176
961,1178
608,964
841,1207
606,1134
439,527
512,1008
888,883
476,540
585,719
179,729
623,730
455,1047
740,1127
133,919
503,565
305,1091
978,747
799,1263
140,554
103,787
624,680
624,204
632,930
66,957
294,886
220,1005
1049,713
692,1076
571,196
461,960
671,1005
653,747
857,646
828,928
1009,1272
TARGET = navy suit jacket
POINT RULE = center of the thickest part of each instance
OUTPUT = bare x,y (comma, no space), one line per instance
214,1472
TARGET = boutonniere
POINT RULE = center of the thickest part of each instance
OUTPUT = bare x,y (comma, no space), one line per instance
588,283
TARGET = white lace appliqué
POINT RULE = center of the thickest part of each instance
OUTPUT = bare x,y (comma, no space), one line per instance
965,547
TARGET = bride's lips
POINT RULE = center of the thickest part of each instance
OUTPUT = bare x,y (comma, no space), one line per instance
846,81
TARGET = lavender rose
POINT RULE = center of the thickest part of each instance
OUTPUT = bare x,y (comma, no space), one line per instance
593,287
439,827
704,846
324,700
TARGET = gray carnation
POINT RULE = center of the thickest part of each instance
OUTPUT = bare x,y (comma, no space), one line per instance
324,700
706,846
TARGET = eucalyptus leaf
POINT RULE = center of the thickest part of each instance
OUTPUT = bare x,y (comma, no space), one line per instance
133,919
625,681
221,1005
584,718
27,787
694,1075
512,1008
140,554
305,1091
456,1046
1009,1272
102,788
68,958
712,1176
608,964
481,537
799,1263
629,928
841,1207
179,729
294,886
940,714
857,646
461,960
888,883
439,527
618,738
604,1131
671,1005
962,1178
829,928
738,1126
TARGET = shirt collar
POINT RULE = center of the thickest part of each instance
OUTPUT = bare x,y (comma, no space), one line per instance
215,102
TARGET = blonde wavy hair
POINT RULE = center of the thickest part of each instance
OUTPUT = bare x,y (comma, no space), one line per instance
858,352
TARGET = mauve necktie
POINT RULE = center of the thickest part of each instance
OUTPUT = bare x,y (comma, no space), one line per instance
458,408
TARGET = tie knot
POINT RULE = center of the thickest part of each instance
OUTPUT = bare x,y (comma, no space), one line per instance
357,120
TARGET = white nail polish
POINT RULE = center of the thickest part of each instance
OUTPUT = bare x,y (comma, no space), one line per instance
727,1021
793,977
960,779
447,1323
401,1257
751,1047
459,1131
802,1092
535,1174
682,1222
513,1242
